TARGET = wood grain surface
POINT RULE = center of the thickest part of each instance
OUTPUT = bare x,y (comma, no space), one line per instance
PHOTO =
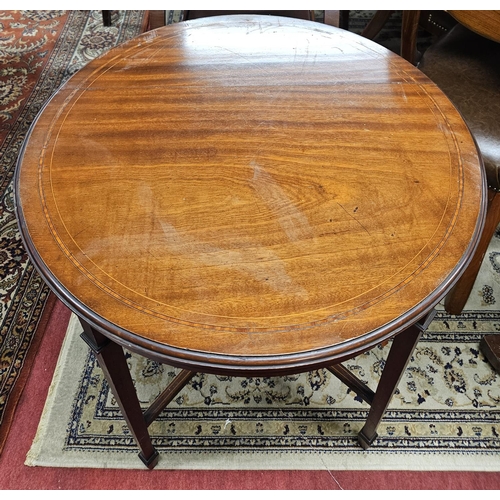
250,192
483,22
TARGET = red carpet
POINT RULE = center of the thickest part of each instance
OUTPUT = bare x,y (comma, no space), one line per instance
15,475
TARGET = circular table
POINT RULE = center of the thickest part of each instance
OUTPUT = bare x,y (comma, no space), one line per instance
249,195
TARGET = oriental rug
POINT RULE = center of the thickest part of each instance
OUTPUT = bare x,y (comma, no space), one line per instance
39,50
445,414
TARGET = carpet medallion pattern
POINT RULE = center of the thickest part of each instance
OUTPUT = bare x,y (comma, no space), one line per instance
39,50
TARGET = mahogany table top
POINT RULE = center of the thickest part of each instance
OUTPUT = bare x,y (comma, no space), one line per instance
250,191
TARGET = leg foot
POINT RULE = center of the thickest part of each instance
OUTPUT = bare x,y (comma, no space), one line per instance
364,441
152,461
490,347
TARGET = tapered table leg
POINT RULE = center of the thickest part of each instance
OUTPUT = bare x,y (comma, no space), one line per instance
395,365
112,361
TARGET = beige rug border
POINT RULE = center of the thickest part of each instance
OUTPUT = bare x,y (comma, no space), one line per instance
47,447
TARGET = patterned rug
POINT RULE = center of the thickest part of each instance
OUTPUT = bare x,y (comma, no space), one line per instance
444,416
39,50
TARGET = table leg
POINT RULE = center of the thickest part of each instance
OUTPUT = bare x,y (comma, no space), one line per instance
112,361
395,365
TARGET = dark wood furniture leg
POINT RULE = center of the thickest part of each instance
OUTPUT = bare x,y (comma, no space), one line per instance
106,17
181,379
490,347
332,18
156,19
456,299
409,31
337,18
344,19
376,23
395,365
112,361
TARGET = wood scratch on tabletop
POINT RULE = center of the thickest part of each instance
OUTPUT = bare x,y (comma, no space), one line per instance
354,218
306,57
403,93
253,63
